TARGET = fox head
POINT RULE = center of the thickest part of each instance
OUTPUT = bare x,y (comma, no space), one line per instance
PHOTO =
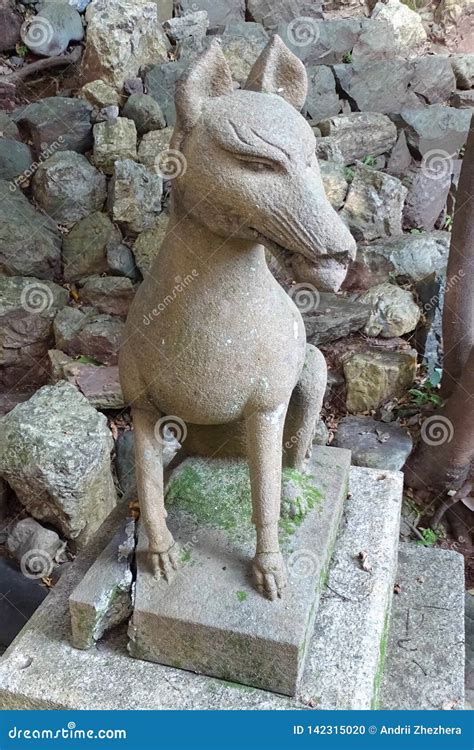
252,172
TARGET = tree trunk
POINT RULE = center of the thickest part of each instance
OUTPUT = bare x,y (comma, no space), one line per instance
458,311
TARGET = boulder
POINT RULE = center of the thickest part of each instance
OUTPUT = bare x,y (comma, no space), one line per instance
463,69
322,100
377,375
122,36
435,128
15,160
429,333
35,547
406,24
327,148
335,182
55,454
316,42
148,243
412,256
433,79
242,44
271,14
400,158
220,12
333,317
99,385
100,94
160,83
367,270
108,294
462,99
114,140
152,145
374,204
86,247
428,190
376,41
360,134
376,85
30,244
89,333
145,113
120,261
393,311
27,309
135,196
10,23
68,187
8,128
192,25
57,123
377,445
52,29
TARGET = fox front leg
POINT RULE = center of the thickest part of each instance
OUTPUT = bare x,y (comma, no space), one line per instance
264,440
162,549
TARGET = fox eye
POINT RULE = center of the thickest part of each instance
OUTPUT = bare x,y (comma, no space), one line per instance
259,166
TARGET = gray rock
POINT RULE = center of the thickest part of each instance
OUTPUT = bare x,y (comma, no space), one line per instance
55,454
125,464
463,68
220,12
100,94
68,187
145,113
374,204
135,195
433,79
120,261
88,333
160,83
376,41
436,128
10,23
360,134
461,99
367,270
57,123
317,42
114,140
400,158
148,243
407,25
35,547
374,444
30,244
427,195
8,128
50,31
242,42
327,149
122,36
429,333
192,25
335,182
427,629
103,599
334,317
100,385
151,146
15,159
108,294
79,5
378,85
27,309
86,247
375,376
322,100
19,598
413,256
394,311
133,86
271,14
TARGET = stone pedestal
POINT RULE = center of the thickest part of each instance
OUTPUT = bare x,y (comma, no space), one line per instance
210,619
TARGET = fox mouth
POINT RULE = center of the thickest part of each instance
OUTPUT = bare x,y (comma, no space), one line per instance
276,247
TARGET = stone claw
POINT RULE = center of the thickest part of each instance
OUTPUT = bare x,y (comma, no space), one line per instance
269,574
165,564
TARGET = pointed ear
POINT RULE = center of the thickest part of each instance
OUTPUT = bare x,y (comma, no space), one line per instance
279,71
208,77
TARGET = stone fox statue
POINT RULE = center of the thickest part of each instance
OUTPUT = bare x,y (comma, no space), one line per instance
227,354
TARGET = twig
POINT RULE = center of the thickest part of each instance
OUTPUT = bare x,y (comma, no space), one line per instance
49,62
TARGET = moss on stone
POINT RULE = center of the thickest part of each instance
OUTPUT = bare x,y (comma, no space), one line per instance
241,595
